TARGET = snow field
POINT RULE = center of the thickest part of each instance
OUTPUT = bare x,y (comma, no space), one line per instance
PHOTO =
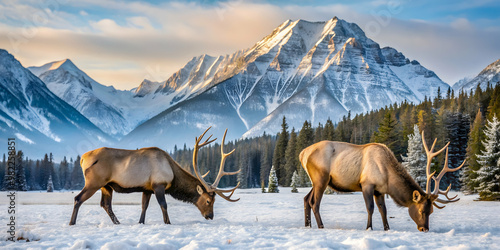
257,221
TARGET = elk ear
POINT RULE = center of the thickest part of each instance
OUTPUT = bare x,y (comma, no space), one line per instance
199,189
416,196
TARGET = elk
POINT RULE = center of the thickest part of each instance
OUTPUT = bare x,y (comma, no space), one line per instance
372,169
150,170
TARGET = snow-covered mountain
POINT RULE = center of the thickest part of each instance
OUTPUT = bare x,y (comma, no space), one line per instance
75,87
303,70
145,88
116,112
490,74
40,120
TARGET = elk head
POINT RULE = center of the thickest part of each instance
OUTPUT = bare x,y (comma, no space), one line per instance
207,193
422,204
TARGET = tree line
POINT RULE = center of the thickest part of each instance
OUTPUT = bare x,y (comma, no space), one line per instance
42,174
459,118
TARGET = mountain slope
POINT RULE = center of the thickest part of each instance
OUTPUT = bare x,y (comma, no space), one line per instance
117,112
489,74
75,87
40,120
304,70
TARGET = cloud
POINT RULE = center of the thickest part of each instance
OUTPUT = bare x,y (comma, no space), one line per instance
461,24
134,40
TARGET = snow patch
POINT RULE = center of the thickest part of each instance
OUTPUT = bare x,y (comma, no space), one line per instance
280,224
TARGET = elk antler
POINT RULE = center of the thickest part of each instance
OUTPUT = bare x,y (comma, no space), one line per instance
197,147
437,191
213,187
223,173
430,155
438,179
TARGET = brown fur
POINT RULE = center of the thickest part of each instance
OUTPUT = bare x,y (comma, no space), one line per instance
370,168
147,170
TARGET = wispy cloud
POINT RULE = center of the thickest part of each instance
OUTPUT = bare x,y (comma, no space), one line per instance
121,42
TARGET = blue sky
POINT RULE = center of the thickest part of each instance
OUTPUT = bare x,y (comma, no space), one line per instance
122,42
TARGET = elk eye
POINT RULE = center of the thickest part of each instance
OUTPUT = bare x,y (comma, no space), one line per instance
208,201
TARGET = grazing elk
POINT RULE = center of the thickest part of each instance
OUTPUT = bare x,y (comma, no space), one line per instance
149,170
373,170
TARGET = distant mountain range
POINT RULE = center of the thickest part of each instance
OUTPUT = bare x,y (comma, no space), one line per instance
40,120
302,70
490,74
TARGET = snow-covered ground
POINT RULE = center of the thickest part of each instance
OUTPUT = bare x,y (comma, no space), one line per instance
269,221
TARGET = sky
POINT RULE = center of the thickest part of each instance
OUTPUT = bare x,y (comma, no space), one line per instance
120,43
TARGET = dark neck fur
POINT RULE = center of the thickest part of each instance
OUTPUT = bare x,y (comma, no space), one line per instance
183,185
401,185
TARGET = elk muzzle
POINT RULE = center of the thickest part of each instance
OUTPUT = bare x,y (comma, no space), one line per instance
209,216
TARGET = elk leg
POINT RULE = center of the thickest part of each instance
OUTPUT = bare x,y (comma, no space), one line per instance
307,208
368,195
315,201
145,203
160,196
380,200
107,195
84,195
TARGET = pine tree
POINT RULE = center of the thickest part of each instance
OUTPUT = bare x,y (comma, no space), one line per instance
266,162
291,158
438,98
388,133
318,133
43,172
474,148
279,151
263,187
77,179
243,174
50,185
305,138
489,172
494,104
415,161
64,173
21,184
295,179
456,131
329,131
273,182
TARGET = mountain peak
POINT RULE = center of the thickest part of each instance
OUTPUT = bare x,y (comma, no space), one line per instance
489,74
146,87
492,68
62,71
66,64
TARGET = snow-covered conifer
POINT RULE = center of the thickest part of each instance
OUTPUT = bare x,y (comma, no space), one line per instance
295,179
415,160
50,185
488,175
273,181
